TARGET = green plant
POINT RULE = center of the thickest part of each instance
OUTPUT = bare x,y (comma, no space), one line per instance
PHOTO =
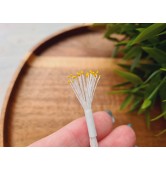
145,74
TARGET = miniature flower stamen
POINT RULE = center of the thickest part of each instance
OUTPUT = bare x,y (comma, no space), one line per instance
84,85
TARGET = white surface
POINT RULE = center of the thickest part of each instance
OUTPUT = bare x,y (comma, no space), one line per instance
82,11
15,41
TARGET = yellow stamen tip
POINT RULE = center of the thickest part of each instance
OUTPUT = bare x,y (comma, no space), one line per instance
87,74
69,76
74,77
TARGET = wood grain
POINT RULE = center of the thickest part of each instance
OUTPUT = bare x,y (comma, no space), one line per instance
40,101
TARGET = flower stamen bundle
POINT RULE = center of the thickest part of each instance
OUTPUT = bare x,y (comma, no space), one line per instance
84,85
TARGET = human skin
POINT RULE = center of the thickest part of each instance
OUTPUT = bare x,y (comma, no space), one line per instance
76,134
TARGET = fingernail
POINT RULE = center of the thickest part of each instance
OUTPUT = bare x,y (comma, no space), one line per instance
111,114
130,125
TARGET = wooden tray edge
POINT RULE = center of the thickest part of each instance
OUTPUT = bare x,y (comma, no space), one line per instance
20,68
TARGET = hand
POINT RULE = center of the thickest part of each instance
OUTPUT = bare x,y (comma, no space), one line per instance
76,134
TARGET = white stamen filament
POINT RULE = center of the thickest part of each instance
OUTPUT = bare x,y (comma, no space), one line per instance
84,86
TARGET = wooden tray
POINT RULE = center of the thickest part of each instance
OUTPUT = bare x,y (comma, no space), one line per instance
39,101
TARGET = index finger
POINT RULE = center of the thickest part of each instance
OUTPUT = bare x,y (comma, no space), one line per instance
76,133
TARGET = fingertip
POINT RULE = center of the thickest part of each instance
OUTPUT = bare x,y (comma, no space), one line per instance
103,123
120,136
130,135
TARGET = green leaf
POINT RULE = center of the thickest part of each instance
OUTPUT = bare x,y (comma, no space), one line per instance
131,77
154,41
135,105
121,43
130,42
115,52
159,116
162,33
120,91
162,45
125,66
149,32
151,67
151,76
141,111
136,89
162,93
153,83
126,102
157,88
133,52
112,28
140,29
136,60
122,84
113,39
148,64
156,54
163,69
161,133
127,28
146,104
148,101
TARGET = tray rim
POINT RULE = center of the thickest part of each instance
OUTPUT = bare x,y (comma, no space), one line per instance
20,67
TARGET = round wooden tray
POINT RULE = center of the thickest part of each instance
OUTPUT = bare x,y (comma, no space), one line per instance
39,101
